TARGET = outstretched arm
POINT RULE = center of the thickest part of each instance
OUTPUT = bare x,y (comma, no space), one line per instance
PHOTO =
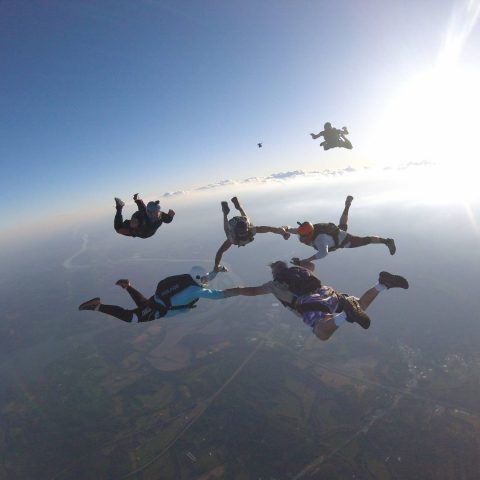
318,255
278,230
307,262
167,217
246,291
140,205
211,275
225,246
315,135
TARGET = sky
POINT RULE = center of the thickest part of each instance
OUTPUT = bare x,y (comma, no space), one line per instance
104,99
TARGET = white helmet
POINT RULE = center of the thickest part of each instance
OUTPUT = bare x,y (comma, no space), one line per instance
199,274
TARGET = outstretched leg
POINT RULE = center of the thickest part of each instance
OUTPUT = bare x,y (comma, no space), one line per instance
118,221
137,297
237,205
225,211
345,143
343,222
386,281
117,312
368,297
113,310
325,328
352,241
143,313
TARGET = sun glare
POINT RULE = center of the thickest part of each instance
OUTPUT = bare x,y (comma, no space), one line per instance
434,115
435,119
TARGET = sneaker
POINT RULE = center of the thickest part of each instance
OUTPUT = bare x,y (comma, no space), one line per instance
392,281
119,203
123,282
355,313
348,201
225,208
390,243
90,305
235,202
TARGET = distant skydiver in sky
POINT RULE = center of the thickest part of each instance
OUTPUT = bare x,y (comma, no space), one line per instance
259,145
319,306
328,237
240,231
144,222
333,137
174,295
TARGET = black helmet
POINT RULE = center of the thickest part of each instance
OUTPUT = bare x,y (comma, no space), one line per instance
327,126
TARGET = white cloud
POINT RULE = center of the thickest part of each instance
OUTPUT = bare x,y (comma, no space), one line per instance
172,194
255,180
290,175
423,163
294,173
221,183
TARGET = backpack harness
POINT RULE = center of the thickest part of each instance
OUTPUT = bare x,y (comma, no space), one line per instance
240,242
170,286
301,281
328,229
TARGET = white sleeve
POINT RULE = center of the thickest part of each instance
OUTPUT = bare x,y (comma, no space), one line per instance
321,246
280,291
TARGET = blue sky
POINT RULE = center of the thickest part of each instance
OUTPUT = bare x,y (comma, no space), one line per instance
109,98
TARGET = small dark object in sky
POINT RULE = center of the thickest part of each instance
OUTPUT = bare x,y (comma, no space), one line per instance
259,145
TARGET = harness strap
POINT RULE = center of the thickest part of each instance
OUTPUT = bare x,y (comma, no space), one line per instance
157,307
182,307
